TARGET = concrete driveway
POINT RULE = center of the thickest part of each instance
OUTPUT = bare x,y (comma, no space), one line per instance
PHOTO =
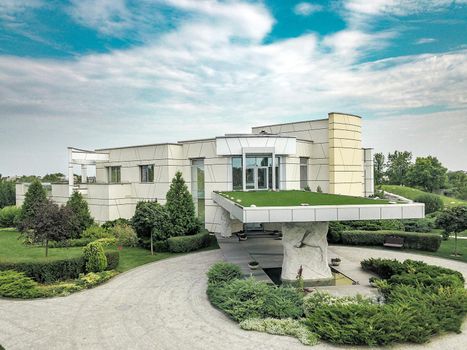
162,305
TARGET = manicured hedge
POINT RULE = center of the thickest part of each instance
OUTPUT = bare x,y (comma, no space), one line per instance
184,244
419,241
55,270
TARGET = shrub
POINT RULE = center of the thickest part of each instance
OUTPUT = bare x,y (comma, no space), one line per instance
386,268
96,261
15,284
418,241
56,270
79,242
92,279
112,223
288,326
223,272
432,202
373,225
183,244
418,225
335,231
48,271
9,216
363,322
113,259
244,299
96,232
181,208
125,235
80,216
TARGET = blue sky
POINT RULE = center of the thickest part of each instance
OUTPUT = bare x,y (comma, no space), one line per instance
102,73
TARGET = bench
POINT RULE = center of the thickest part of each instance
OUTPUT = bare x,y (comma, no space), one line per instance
393,241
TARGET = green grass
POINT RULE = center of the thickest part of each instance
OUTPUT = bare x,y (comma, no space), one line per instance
295,198
412,193
12,249
446,249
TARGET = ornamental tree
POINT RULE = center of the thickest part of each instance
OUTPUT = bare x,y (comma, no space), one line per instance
151,220
50,222
453,220
34,198
181,208
81,217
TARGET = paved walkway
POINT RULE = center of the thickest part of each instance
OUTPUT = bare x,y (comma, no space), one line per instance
162,305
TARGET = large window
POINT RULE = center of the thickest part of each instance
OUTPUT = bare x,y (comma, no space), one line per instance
114,174
303,172
237,174
147,173
258,172
197,186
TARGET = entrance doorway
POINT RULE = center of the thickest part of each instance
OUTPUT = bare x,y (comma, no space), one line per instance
257,177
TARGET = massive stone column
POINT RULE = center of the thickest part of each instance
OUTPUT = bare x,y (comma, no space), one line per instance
227,225
305,245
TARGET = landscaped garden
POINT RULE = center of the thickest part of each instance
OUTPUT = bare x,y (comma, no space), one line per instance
413,194
416,301
56,250
295,198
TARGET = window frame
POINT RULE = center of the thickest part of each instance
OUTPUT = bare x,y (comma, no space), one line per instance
142,168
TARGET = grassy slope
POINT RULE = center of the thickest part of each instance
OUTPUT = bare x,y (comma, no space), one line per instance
11,249
295,198
411,193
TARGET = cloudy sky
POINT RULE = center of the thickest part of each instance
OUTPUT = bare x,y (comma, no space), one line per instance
101,73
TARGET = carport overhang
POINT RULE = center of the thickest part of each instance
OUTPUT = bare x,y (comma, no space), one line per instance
304,229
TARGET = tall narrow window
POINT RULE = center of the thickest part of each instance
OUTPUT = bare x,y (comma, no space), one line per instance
237,174
303,172
114,173
197,186
147,173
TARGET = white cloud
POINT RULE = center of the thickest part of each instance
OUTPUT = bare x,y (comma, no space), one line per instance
425,41
306,8
10,9
198,81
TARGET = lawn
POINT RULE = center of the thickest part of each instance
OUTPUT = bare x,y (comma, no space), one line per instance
295,198
412,193
12,249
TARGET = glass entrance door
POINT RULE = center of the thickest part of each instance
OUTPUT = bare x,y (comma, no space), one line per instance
262,178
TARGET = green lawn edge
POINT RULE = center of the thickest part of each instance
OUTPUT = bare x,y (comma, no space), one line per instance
412,193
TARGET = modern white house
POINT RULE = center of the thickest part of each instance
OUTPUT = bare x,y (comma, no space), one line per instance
324,154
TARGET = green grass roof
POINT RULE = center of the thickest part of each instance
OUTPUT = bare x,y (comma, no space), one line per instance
295,198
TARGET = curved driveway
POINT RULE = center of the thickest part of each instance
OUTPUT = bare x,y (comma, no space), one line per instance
162,305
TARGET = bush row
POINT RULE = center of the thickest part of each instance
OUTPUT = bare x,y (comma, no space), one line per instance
55,270
184,244
15,284
419,241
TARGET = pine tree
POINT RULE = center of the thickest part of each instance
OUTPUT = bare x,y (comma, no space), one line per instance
34,198
81,217
181,208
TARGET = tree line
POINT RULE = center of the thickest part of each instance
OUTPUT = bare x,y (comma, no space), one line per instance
426,173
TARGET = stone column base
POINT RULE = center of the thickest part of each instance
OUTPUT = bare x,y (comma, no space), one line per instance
305,245
227,225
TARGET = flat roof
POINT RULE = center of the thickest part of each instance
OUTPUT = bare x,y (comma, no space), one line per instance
134,146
